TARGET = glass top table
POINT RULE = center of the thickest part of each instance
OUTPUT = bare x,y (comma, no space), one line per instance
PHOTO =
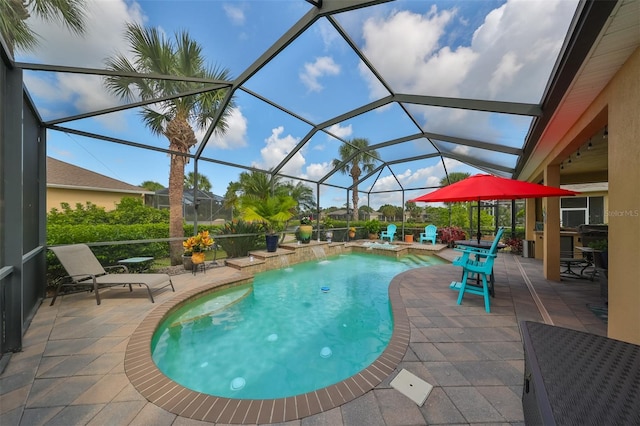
136,264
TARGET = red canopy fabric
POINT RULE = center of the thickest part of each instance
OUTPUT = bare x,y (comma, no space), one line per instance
489,187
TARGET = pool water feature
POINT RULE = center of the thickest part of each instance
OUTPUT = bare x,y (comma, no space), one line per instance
291,332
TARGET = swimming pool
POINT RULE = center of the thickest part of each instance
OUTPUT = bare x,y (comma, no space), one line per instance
293,331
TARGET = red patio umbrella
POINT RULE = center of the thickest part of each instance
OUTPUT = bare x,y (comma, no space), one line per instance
488,187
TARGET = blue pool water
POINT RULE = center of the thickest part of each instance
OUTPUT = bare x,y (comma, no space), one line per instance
292,331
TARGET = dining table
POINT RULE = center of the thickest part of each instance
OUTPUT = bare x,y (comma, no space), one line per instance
587,254
485,244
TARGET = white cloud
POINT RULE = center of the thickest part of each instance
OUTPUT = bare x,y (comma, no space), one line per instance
408,50
313,72
236,134
505,72
234,13
424,177
105,25
327,33
276,148
405,49
508,43
316,171
340,131
106,21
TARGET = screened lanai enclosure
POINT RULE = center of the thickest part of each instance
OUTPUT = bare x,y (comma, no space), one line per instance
432,87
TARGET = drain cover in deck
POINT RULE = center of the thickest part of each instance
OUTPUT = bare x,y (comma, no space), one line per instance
411,386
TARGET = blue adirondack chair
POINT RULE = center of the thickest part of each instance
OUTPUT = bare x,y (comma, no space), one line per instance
429,234
480,266
389,233
467,251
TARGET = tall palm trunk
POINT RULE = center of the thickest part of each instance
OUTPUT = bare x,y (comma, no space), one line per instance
355,175
181,139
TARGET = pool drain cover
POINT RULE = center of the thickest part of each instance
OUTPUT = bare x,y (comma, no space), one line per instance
411,386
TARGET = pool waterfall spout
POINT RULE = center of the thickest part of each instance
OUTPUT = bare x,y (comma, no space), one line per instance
319,252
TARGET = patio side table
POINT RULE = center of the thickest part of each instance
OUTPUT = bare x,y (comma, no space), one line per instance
136,264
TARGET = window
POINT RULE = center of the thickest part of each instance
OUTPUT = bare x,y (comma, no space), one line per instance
576,211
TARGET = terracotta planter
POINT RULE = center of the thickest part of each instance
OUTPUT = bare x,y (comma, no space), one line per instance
305,232
408,238
352,234
373,236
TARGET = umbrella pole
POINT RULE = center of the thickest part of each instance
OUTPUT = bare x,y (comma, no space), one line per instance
479,235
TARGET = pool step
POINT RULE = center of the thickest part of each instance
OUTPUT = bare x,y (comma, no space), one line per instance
415,260
223,300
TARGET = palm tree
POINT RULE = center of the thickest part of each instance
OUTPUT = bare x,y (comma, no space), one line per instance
173,118
273,210
150,185
14,13
453,178
359,160
303,194
232,198
259,184
204,183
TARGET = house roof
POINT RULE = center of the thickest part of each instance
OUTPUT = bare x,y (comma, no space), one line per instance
188,195
341,212
65,175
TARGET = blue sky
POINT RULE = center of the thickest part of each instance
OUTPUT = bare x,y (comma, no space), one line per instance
497,50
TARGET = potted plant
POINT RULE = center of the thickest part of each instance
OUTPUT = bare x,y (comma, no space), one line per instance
373,228
305,230
327,225
194,248
272,211
352,233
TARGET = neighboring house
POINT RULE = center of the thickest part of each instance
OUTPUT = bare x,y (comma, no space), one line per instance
71,184
342,214
211,208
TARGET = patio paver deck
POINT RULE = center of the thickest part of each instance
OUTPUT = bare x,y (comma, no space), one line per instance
71,369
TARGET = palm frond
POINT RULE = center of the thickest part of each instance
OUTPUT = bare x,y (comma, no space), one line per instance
154,120
14,28
70,13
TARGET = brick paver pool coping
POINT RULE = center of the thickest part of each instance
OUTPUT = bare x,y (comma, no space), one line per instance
175,398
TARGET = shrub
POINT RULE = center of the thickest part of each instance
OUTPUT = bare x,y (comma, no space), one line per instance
448,235
372,226
515,244
239,246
